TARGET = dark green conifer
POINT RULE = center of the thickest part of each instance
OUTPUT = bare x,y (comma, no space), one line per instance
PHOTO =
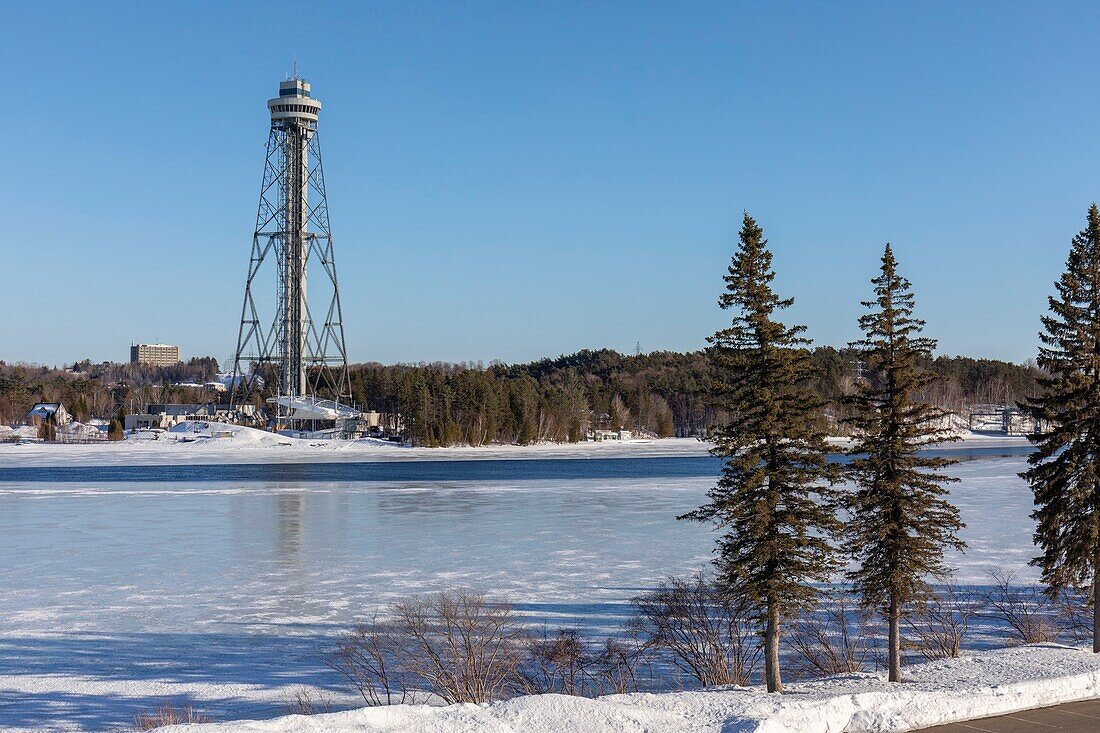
900,520
1065,468
773,501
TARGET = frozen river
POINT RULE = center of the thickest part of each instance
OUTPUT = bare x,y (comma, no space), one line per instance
122,587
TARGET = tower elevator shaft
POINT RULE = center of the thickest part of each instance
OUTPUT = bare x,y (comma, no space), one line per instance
294,305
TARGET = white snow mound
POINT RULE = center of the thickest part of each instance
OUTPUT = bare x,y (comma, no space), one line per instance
21,432
82,430
974,686
238,434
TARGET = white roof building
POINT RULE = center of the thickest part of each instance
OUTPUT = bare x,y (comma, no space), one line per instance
54,412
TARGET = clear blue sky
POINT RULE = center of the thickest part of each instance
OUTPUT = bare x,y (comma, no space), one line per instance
519,180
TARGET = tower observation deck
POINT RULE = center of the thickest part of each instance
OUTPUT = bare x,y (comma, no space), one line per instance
288,354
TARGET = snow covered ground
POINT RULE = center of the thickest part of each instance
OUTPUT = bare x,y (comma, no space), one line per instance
196,443
255,446
976,685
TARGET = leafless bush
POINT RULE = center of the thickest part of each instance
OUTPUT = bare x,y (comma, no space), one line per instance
561,663
457,645
168,714
466,649
307,701
1031,616
836,640
567,664
374,658
940,621
1074,610
706,635
618,664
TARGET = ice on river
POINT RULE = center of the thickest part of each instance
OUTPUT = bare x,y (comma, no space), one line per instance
119,596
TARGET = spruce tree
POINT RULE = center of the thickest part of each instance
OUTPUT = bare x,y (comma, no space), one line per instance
773,500
1065,468
900,521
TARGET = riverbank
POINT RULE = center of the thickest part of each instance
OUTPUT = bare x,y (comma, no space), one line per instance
975,685
254,446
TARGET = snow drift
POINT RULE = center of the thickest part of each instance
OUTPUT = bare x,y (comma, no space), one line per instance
973,686
238,434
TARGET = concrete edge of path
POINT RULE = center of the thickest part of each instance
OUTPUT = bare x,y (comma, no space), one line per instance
1082,716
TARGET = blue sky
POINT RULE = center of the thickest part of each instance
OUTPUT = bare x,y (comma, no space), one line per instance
517,180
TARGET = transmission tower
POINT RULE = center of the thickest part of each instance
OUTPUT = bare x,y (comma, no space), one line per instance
289,354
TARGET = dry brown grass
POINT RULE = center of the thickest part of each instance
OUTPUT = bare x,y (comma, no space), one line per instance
169,714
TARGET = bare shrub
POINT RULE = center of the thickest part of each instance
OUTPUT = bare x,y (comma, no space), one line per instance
374,658
1031,616
705,634
457,645
307,701
461,646
561,663
940,621
617,665
1074,611
836,640
168,714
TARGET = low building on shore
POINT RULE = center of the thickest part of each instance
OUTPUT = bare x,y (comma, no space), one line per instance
49,412
166,415
600,436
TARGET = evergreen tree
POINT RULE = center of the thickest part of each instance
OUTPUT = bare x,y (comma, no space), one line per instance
1065,468
47,430
773,501
114,430
900,521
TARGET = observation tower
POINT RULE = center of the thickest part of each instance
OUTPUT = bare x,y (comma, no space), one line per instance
290,345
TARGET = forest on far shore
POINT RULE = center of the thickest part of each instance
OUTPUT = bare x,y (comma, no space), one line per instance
664,393
559,399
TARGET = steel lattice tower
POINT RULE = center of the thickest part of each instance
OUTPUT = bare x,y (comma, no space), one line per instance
302,357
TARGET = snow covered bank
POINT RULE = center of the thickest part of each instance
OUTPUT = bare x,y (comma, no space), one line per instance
208,443
217,443
973,686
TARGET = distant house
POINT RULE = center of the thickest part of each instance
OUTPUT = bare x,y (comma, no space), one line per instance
49,412
603,435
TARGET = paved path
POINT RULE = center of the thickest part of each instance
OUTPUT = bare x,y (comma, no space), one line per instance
1072,717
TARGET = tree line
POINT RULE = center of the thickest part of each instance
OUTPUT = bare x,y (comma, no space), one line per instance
559,399
663,393
104,390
